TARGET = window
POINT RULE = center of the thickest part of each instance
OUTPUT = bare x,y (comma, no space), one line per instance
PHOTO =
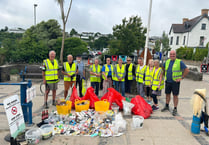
171,41
177,40
203,27
184,40
201,40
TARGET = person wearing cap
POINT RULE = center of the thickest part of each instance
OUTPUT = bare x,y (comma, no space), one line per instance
107,71
130,75
69,71
50,74
140,70
95,73
120,76
80,74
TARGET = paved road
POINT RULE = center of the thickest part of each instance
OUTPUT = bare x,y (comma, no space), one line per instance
159,129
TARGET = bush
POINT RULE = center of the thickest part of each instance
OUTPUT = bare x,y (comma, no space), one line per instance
14,71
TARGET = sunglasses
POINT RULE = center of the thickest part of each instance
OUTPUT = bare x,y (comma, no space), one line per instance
128,60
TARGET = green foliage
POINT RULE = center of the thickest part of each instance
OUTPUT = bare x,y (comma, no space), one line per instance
157,45
73,32
100,43
14,71
187,53
165,43
131,35
74,46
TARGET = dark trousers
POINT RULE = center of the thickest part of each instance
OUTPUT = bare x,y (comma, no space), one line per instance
79,82
95,84
128,86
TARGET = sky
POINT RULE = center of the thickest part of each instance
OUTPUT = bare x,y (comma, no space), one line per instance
100,15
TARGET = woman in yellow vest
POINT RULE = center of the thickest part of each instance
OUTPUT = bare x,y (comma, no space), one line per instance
120,76
95,73
50,75
130,75
140,70
69,71
148,80
157,84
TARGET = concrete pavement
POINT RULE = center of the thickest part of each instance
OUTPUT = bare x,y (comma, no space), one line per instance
160,129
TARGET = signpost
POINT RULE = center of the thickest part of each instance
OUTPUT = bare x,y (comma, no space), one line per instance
14,115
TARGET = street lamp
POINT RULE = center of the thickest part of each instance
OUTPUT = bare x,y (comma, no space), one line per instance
35,5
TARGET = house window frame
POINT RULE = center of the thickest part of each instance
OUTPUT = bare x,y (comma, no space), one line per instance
177,40
203,26
201,41
184,40
171,41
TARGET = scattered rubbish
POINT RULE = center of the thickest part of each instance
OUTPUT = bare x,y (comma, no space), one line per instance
137,121
33,136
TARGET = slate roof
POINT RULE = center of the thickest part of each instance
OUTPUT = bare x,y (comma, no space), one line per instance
188,25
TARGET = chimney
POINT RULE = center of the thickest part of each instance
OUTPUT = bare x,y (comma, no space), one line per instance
204,12
185,19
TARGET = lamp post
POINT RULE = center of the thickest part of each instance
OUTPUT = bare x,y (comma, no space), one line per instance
147,37
35,5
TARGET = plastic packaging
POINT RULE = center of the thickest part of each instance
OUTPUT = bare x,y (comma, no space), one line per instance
120,123
47,131
137,121
115,108
33,136
127,107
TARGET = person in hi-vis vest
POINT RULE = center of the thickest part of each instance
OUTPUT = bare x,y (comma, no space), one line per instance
157,84
95,73
130,75
69,71
175,71
120,76
50,74
107,71
140,70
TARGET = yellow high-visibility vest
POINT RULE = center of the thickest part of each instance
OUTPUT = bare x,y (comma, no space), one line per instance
148,76
130,74
176,69
156,80
107,70
51,72
140,74
71,71
94,78
120,72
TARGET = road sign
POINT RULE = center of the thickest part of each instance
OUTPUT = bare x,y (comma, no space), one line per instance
14,115
31,93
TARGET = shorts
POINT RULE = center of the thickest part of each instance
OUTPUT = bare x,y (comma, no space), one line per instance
68,84
172,87
51,86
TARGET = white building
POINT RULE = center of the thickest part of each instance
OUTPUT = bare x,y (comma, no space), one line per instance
192,33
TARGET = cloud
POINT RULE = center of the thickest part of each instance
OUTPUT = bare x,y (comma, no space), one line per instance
100,15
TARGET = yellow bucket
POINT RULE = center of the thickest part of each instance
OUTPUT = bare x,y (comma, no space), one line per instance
79,105
102,106
64,109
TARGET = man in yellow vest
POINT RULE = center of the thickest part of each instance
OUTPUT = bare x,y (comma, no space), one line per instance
50,74
69,71
95,73
107,70
130,75
120,72
175,71
140,70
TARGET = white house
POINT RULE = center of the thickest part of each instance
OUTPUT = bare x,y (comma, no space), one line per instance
192,33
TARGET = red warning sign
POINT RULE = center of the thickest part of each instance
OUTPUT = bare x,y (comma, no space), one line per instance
14,110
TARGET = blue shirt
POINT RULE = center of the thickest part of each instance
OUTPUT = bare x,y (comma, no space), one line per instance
110,72
80,67
169,71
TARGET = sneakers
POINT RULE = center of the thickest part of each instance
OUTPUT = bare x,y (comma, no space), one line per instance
155,107
165,109
46,106
53,103
174,112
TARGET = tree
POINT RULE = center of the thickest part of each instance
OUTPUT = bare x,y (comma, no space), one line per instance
100,43
64,21
165,42
74,46
131,34
73,32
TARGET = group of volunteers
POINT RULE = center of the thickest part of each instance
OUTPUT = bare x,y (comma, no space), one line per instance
150,79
